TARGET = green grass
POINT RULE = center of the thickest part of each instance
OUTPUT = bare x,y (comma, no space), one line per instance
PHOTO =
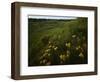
43,33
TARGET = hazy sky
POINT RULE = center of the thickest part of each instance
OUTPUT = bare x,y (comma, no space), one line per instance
51,17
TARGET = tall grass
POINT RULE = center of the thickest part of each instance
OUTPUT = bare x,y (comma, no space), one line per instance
57,42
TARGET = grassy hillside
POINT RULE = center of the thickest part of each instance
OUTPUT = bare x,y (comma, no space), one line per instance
57,42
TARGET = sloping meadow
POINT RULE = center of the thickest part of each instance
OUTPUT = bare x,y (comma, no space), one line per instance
57,42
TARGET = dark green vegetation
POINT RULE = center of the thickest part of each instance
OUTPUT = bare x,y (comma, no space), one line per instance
57,42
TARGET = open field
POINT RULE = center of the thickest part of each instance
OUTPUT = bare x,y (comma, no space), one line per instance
57,42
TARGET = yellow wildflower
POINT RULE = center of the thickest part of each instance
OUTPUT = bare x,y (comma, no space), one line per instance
44,61
49,54
81,55
44,54
67,55
50,46
55,48
73,36
62,57
47,50
78,47
68,52
68,44
49,42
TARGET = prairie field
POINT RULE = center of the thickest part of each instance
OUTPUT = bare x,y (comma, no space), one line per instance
57,42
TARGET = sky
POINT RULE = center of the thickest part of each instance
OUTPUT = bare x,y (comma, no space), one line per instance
51,17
